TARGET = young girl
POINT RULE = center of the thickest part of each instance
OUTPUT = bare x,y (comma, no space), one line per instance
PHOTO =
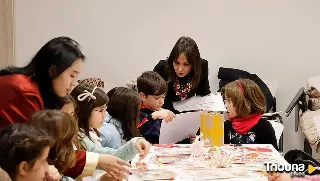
65,129
121,118
245,104
24,151
92,102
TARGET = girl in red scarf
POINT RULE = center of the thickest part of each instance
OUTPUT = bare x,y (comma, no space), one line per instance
245,104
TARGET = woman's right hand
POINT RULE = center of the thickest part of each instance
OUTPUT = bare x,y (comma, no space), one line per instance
113,166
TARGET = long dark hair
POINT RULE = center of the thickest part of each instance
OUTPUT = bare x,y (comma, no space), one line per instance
85,107
21,142
58,54
124,106
189,48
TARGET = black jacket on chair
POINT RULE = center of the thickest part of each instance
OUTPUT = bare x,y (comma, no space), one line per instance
227,75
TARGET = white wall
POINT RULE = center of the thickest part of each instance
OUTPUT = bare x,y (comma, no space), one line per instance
278,40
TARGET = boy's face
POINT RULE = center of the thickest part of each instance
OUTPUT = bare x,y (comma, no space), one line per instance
37,172
153,102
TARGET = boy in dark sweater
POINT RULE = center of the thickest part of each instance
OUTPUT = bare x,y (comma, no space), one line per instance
152,89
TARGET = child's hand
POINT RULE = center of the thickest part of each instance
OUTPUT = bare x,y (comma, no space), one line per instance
52,174
164,114
143,147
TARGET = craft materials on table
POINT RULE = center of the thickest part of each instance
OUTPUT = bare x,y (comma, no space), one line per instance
214,163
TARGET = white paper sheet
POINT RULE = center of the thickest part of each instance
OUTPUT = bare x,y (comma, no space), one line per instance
316,120
212,102
181,127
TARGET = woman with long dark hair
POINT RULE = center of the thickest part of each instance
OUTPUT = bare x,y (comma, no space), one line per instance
48,77
185,71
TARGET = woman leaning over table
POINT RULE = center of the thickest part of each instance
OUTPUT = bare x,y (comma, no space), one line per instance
40,84
185,71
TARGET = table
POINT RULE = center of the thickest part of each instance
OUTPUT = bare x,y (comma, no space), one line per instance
182,175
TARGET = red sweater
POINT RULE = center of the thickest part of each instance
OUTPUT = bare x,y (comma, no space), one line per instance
19,99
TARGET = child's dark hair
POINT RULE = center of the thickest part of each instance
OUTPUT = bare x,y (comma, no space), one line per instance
64,128
68,99
188,47
21,142
151,83
124,106
86,106
246,97
111,92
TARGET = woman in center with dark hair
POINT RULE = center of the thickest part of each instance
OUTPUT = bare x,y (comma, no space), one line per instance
185,71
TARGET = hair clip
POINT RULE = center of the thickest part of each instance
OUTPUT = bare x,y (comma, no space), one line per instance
86,94
240,86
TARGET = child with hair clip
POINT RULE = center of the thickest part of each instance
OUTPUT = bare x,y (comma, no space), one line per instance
245,104
119,125
65,130
92,102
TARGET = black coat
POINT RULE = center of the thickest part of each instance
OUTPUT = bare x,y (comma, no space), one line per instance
227,75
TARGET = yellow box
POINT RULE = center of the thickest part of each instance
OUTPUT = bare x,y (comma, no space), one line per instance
212,128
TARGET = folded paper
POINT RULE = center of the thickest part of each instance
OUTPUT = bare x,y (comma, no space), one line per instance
211,102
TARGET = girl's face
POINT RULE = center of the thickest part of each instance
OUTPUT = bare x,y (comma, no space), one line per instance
97,116
68,108
181,66
231,110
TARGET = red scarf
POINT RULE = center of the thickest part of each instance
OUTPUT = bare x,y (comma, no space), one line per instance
244,124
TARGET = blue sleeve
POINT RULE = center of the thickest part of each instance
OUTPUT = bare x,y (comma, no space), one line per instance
110,136
126,152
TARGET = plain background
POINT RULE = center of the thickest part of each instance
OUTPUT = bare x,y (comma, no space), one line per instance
277,39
